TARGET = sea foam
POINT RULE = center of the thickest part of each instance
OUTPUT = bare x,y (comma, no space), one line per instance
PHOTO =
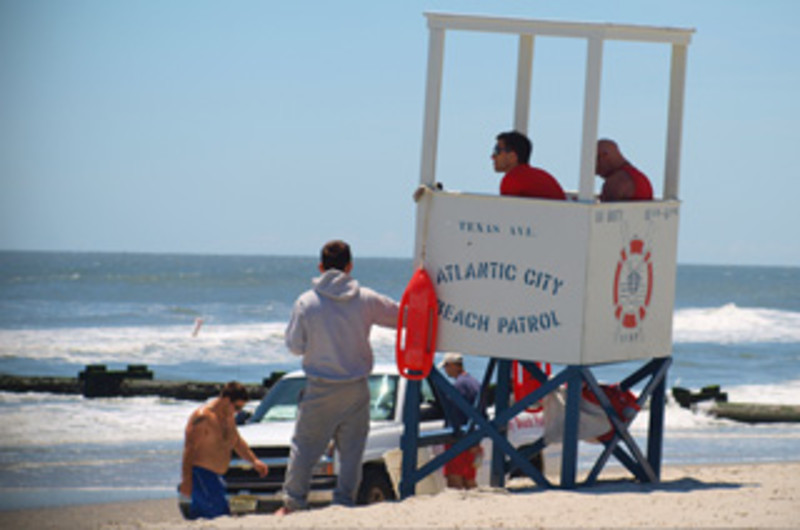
730,324
40,419
234,344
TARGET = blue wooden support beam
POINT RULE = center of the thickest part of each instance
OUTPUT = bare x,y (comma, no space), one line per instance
440,460
643,469
537,395
658,375
495,429
569,459
464,439
526,453
502,394
620,428
647,370
505,457
534,370
655,434
408,442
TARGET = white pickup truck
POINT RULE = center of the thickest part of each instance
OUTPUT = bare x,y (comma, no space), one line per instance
269,431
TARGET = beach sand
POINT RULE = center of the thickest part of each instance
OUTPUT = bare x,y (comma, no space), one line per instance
719,496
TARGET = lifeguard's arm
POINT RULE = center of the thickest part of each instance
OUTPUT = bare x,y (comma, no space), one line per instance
194,433
244,451
618,186
420,191
424,188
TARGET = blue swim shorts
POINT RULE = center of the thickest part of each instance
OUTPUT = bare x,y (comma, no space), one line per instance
208,494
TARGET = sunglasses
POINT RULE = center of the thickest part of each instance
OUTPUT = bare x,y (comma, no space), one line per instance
497,150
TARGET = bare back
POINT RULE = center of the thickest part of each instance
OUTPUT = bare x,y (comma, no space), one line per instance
618,186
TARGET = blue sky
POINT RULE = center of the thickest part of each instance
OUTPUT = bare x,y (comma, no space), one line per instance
268,127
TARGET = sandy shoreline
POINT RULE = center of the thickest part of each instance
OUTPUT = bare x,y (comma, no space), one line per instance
721,496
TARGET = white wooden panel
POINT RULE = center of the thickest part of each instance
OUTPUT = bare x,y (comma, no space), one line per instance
563,282
509,275
631,281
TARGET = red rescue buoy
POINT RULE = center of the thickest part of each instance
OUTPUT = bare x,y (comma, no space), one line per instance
416,327
622,401
525,383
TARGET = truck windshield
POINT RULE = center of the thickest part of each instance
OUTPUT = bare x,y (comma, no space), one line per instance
280,403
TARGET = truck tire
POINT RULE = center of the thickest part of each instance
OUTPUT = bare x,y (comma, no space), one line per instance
375,485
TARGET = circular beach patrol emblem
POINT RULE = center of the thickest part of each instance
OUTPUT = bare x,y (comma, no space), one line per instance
633,284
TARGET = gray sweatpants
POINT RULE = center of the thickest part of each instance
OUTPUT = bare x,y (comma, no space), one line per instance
328,410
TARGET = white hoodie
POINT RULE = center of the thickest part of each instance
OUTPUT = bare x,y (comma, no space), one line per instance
330,326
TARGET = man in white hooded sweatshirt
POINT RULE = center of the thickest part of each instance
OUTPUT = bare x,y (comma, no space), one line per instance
329,327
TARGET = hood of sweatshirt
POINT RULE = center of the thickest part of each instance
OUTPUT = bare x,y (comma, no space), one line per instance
336,285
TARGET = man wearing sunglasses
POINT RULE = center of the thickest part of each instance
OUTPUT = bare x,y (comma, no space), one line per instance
211,435
510,156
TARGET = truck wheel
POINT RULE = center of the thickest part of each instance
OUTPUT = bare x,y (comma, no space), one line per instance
375,486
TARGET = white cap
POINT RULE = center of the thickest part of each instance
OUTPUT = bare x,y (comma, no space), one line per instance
451,357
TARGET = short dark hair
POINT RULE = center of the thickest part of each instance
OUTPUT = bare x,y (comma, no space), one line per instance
519,143
234,391
335,255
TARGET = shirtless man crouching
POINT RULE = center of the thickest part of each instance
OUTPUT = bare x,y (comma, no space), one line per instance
211,434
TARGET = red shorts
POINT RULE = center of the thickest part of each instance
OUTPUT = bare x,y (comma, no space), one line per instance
462,465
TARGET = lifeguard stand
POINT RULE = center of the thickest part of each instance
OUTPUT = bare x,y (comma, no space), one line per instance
576,283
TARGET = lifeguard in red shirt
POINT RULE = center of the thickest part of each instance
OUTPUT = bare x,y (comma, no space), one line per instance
511,156
623,182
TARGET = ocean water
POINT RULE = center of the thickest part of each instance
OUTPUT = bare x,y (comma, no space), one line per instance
738,327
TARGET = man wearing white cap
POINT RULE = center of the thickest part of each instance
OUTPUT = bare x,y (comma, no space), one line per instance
461,470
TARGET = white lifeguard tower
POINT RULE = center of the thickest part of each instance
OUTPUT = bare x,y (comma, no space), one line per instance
577,283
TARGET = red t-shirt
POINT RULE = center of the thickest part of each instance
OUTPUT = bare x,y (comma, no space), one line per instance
527,181
643,190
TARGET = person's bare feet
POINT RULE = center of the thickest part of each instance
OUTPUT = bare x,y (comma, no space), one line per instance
283,510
